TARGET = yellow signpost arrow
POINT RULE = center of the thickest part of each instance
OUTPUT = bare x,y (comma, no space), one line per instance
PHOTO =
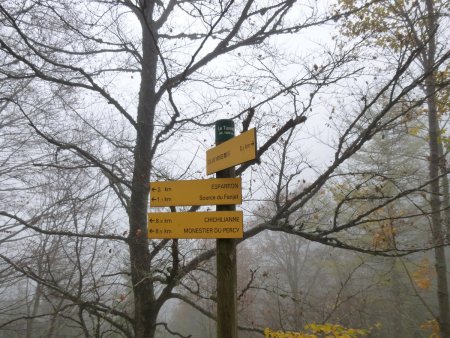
217,224
216,191
235,151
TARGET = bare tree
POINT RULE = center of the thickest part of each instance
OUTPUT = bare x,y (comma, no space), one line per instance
421,27
86,113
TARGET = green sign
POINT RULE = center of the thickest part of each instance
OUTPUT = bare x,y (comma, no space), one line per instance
224,130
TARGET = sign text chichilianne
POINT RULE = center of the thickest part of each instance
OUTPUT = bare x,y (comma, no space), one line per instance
215,224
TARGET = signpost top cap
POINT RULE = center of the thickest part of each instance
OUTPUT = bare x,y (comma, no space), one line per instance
224,130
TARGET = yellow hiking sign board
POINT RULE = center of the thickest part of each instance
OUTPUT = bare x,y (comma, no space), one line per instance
216,224
216,191
235,151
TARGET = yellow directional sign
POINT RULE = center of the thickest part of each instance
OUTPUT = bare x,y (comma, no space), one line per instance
237,150
216,191
214,224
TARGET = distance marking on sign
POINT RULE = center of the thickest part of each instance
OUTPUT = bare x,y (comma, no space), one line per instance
214,224
216,191
235,151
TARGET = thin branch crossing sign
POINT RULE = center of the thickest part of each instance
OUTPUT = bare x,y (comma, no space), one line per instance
214,224
239,149
215,191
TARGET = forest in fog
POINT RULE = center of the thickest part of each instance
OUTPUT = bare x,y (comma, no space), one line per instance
346,207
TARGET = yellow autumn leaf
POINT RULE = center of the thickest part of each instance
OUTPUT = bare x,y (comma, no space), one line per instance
423,283
422,276
432,325
414,131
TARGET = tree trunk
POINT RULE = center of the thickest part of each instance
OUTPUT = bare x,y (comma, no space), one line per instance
436,219
445,191
35,308
397,301
435,201
145,306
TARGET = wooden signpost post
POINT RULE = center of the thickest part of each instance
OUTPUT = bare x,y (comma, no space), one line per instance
222,159
225,224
